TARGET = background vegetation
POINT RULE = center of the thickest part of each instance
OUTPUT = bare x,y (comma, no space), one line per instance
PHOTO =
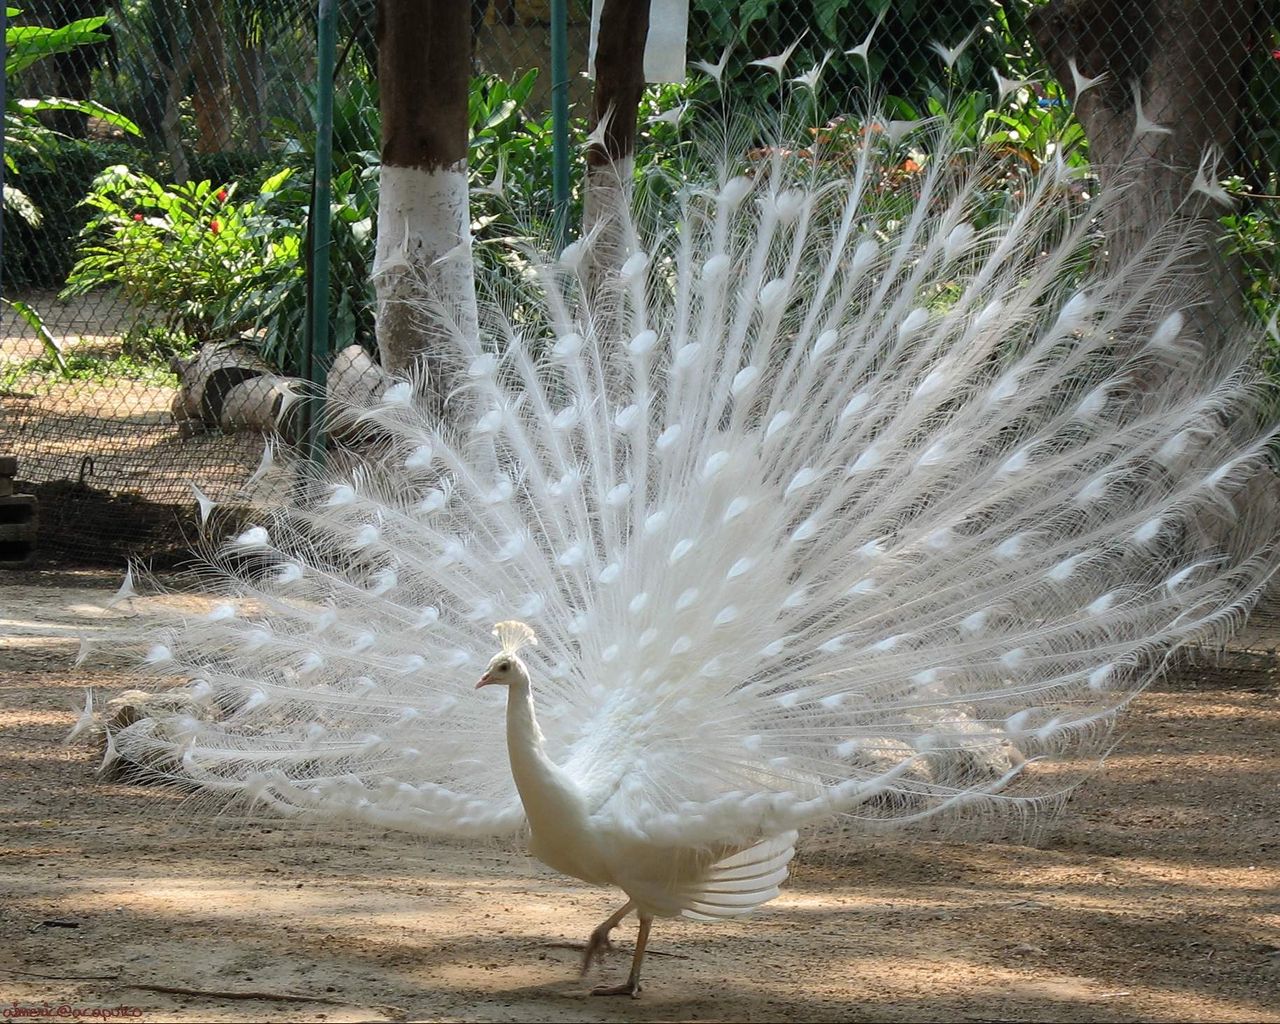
132,209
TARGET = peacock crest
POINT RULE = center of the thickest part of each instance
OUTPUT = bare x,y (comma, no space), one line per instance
514,636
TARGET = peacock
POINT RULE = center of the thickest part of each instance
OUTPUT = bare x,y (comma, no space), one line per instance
862,492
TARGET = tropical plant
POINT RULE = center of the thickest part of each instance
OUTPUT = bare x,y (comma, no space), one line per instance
902,59
26,45
274,301
184,250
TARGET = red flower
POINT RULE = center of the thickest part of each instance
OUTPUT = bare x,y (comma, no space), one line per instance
214,226
1275,54
137,216
222,195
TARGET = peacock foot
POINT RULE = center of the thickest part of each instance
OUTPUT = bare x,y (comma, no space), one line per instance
596,945
627,988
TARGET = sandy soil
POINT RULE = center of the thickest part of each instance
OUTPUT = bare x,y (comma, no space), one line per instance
1157,899
102,454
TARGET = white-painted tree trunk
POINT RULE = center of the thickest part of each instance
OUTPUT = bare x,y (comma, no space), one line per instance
607,195
423,272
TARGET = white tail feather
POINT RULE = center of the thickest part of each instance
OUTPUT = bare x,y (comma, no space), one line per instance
834,504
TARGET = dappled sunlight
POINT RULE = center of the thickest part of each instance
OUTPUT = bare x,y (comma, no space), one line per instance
1150,898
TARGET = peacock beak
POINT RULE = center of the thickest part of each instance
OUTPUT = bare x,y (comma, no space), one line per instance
485,680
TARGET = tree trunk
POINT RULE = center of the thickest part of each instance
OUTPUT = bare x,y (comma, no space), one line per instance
176,68
249,84
212,97
610,159
1188,59
423,268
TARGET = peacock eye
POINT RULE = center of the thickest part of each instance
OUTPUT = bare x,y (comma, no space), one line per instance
503,666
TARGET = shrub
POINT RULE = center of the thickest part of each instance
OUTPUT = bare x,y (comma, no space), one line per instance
185,251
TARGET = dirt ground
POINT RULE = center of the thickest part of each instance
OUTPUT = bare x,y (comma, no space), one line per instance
1157,898
104,456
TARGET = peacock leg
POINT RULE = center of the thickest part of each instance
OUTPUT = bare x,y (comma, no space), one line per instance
599,940
630,987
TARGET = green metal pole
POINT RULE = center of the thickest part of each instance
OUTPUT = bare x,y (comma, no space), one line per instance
560,118
321,195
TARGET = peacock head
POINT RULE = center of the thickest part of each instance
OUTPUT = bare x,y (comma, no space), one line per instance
505,668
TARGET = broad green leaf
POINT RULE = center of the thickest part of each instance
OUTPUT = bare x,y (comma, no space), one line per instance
37,324
273,183
27,44
826,15
750,12
90,107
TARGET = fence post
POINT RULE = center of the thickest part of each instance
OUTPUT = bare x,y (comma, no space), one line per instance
560,118
321,196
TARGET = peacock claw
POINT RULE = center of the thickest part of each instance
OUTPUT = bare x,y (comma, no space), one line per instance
595,946
627,988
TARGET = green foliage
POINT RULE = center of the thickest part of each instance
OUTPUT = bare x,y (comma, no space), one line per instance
63,171
26,45
901,58
1261,116
510,158
152,343
1253,235
45,371
185,250
52,350
276,302
1031,125
273,302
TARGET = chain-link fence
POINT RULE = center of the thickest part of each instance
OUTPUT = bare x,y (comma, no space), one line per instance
155,224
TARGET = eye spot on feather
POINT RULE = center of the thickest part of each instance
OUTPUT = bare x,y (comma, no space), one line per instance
744,379
655,521
643,343
669,436
715,269
489,422
681,549
687,355
741,566
855,405
567,346
772,294
824,342
806,530
726,615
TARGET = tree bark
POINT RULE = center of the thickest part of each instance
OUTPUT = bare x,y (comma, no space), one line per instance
177,65
610,159
211,99
249,84
423,270
1187,58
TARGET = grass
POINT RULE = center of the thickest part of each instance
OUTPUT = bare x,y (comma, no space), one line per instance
41,374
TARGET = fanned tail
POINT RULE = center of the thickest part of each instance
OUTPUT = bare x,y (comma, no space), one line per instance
853,497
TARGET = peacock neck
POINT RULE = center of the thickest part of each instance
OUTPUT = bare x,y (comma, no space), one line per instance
546,792
524,738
